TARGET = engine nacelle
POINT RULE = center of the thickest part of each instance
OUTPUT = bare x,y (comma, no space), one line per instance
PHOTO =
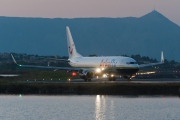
85,74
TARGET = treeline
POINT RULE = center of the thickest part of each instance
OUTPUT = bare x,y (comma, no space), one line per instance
7,65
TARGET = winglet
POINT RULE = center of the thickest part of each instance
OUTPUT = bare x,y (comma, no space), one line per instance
13,59
162,57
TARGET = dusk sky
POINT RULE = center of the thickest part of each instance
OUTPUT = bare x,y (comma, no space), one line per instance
89,8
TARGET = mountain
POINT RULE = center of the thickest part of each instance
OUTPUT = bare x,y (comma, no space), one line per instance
147,35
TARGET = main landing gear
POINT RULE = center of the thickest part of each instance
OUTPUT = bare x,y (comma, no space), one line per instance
112,78
129,77
86,80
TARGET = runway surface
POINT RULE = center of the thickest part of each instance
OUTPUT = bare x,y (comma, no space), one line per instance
128,81
104,80
94,87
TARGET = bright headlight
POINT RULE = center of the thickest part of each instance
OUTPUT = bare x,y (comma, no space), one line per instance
104,76
112,75
98,70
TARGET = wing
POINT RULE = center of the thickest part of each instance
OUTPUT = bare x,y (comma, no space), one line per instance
149,64
47,67
152,64
61,60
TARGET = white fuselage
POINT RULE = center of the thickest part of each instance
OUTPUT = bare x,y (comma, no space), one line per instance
115,62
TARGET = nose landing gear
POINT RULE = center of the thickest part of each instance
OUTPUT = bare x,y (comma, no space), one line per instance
112,78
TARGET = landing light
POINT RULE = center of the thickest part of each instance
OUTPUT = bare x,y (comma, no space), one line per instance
104,76
112,75
98,70
133,76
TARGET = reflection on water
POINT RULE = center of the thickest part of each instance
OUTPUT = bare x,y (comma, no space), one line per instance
100,107
86,107
112,109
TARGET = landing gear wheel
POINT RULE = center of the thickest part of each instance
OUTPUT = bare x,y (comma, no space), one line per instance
128,77
113,78
86,80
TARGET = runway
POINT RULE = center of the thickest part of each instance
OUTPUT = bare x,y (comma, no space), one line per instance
127,81
104,80
94,87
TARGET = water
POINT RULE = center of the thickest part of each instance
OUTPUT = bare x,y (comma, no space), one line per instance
84,107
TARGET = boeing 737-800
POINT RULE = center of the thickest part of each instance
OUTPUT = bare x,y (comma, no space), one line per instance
88,66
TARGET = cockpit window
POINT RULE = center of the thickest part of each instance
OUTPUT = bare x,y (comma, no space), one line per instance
131,63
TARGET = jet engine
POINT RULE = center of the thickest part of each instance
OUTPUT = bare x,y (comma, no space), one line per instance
86,74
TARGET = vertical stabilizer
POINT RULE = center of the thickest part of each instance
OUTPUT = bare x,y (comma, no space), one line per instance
71,46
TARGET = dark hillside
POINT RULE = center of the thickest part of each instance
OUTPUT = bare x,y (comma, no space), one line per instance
147,35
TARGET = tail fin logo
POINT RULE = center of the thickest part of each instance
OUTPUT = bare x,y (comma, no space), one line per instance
71,50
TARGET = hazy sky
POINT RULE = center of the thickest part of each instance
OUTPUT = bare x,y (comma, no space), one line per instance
89,8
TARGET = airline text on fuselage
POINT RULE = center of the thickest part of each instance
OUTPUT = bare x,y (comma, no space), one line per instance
108,63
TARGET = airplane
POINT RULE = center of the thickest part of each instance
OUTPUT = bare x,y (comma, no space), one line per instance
87,67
